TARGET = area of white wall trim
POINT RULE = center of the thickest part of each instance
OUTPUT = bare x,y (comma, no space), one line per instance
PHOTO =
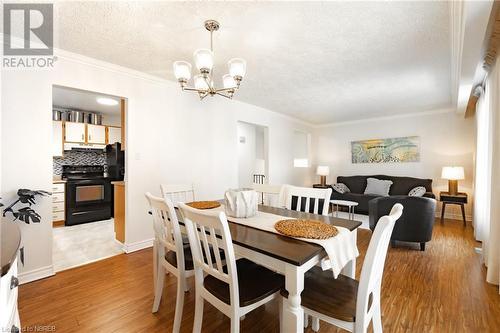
137,246
36,274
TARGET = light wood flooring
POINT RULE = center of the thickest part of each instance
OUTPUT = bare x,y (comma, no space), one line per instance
440,290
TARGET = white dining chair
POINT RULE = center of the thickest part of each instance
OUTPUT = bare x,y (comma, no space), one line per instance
345,302
236,288
268,194
178,192
306,199
169,254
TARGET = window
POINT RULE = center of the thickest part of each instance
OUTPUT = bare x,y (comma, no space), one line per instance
301,143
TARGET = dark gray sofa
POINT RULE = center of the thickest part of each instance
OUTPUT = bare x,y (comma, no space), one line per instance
357,185
416,223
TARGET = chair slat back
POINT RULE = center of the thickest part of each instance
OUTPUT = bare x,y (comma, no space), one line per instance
178,192
311,200
269,194
208,233
373,266
166,226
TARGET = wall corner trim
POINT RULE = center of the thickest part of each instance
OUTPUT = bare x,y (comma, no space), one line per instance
36,274
136,246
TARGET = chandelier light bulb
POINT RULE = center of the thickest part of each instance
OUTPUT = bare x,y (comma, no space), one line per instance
182,70
204,60
228,81
237,67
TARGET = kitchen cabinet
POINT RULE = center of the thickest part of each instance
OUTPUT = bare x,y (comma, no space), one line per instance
74,132
58,203
119,210
114,134
57,138
96,134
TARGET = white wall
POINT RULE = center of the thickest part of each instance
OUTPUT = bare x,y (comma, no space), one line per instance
171,137
445,138
247,153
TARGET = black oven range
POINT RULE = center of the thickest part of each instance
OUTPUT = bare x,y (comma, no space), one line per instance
89,194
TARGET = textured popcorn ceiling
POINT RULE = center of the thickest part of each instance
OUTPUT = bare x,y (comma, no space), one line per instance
320,62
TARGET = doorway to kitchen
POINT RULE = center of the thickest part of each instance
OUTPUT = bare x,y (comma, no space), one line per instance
252,154
88,176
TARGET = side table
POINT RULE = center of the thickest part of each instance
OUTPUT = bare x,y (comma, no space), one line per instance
349,204
453,199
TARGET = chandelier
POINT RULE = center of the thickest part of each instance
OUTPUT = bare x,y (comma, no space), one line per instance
204,61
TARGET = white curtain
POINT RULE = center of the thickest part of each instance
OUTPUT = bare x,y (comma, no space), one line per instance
487,175
482,178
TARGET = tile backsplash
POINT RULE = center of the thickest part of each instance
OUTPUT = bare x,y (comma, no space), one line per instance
74,157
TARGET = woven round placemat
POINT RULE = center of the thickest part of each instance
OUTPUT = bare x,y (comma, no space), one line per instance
204,204
313,229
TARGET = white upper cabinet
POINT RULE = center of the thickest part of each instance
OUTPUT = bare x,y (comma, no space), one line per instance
57,138
114,135
74,132
96,134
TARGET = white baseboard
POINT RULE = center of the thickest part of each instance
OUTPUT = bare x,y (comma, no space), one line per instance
132,247
36,274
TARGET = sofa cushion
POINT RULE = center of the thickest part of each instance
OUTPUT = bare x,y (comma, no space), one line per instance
378,186
400,186
340,188
418,191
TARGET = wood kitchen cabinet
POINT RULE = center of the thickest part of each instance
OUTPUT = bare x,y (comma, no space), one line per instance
119,210
114,134
96,134
57,139
74,132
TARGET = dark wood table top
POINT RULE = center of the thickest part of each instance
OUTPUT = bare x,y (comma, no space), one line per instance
287,249
11,240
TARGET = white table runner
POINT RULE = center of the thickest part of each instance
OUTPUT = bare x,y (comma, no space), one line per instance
340,249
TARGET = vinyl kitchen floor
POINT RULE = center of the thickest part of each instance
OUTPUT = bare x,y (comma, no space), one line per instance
84,243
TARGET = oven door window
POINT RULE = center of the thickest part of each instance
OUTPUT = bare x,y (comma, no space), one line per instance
89,193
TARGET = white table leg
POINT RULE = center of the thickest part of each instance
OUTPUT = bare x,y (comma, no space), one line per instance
350,269
293,315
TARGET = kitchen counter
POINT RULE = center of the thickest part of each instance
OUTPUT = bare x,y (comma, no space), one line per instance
118,183
58,180
11,240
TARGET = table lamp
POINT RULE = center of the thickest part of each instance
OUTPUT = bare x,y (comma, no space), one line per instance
322,171
453,174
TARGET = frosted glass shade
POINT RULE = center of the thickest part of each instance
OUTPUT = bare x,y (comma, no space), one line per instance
228,81
182,70
200,82
237,67
203,59
453,173
322,170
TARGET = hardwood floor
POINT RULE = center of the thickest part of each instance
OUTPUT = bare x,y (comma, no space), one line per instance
440,290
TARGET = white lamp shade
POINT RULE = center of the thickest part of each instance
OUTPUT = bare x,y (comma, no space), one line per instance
203,59
182,70
228,81
200,82
260,166
322,170
237,67
453,173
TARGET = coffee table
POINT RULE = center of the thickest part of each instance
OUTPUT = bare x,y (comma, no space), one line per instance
349,204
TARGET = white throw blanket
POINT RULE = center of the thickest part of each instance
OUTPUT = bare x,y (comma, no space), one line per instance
340,249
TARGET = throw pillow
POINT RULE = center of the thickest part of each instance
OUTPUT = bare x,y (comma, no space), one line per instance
418,191
341,188
378,186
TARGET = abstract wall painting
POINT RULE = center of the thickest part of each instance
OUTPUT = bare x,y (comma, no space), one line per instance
393,150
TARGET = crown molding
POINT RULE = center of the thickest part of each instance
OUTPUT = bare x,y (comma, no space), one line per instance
398,116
